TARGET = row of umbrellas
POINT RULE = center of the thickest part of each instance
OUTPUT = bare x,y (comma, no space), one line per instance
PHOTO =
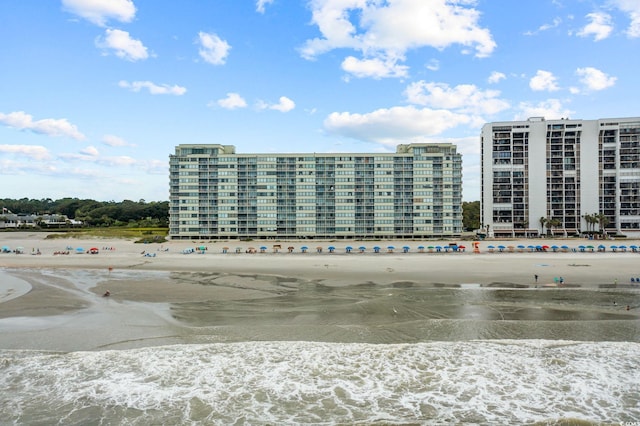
350,249
564,248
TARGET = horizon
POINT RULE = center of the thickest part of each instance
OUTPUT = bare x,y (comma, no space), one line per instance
97,94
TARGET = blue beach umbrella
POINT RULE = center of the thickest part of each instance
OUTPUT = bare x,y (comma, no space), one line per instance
304,248
420,247
391,247
565,247
554,248
362,248
406,247
376,249
79,250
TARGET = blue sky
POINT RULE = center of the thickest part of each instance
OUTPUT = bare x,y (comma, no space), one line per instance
95,94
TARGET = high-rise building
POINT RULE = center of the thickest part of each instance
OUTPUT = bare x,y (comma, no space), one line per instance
216,193
554,176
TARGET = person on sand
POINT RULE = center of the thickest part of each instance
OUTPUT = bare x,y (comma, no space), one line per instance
106,294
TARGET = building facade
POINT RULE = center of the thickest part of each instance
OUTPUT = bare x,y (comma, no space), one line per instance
541,176
216,193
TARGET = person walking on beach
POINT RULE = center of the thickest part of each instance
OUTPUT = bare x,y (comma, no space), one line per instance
536,277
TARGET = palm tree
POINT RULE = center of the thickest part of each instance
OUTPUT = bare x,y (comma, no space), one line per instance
603,221
543,220
591,221
553,223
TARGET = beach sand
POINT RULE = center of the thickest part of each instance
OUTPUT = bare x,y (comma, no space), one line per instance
153,297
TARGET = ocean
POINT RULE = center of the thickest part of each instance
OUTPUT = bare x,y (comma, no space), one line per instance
373,356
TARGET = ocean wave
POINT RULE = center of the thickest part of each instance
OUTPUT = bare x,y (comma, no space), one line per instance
478,382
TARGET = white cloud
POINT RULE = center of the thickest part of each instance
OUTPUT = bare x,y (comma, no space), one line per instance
551,109
393,125
376,68
544,27
284,105
154,89
495,77
34,152
632,7
213,49
100,11
114,141
260,4
48,126
384,30
594,79
543,80
232,101
465,98
433,65
124,46
600,26
91,151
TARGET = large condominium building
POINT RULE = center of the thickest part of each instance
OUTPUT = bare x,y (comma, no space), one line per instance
218,194
557,172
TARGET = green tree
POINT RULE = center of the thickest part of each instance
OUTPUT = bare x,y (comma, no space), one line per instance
471,215
543,221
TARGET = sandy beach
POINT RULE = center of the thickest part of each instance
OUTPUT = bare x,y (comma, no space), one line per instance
159,284
308,338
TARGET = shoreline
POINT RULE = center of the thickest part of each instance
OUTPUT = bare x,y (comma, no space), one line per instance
54,302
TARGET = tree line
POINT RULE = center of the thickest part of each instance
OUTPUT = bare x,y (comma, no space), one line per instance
94,213
155,213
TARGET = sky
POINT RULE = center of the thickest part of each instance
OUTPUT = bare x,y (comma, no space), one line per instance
96,94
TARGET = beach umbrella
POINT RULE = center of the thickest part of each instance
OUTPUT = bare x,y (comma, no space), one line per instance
348,248
79,250
462,248
554,248
420,247
6,249
304,248
633,247
614,248
623,248
406,247
331,248
376,249
263,247
501,248
491,247
362,249
391,247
